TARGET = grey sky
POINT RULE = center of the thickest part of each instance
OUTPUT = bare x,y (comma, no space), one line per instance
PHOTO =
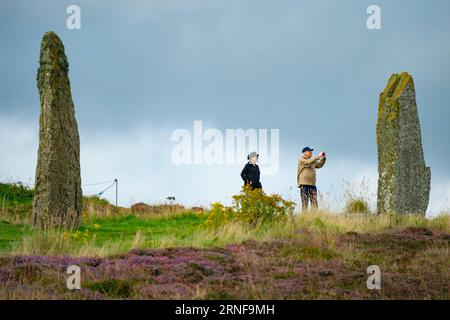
310,68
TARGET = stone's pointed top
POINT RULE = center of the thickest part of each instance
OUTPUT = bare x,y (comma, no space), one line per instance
50,35
397,83
51,41
52,59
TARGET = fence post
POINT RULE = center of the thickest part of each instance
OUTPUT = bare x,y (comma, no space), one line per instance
117,189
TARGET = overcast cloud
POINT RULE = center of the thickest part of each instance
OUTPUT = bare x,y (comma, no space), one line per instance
139,70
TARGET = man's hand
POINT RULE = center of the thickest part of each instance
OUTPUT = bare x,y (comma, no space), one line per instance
321,154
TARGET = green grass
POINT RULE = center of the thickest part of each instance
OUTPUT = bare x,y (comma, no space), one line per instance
103,232
182,226
105,229
16,202
15,194
108,230
11,233
105,236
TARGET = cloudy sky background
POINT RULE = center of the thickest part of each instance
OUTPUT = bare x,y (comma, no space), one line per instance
141,69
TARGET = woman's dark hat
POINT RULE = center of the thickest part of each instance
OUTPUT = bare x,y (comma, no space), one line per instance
252,154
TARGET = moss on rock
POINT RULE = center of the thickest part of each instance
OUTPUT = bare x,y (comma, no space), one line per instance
403,183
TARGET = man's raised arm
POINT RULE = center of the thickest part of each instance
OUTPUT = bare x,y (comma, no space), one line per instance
321,162
308,162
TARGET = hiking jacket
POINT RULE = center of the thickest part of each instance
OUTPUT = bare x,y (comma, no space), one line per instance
306,172
250,174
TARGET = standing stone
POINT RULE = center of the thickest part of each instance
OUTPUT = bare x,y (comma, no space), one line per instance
57,200
403,178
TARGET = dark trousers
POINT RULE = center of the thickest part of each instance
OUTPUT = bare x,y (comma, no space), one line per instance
254,185
308,194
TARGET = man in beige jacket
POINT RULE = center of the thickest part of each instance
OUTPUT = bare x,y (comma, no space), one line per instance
306,176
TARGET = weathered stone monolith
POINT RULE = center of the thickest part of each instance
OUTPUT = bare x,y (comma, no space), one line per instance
57,200
403,178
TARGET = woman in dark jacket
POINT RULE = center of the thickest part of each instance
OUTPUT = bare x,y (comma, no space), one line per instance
250,174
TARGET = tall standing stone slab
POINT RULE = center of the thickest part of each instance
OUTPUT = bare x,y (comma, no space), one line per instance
403,178
57,200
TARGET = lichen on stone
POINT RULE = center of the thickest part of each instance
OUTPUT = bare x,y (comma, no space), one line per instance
404,180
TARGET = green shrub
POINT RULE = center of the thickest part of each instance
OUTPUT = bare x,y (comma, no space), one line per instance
357,206
16,202
219,215
12,194
254,206
251,207
357,197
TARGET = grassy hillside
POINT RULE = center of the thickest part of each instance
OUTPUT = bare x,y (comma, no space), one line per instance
15,201
175,254
15,194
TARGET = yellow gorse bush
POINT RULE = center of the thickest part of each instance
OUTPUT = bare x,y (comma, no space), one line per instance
251,207
219,215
